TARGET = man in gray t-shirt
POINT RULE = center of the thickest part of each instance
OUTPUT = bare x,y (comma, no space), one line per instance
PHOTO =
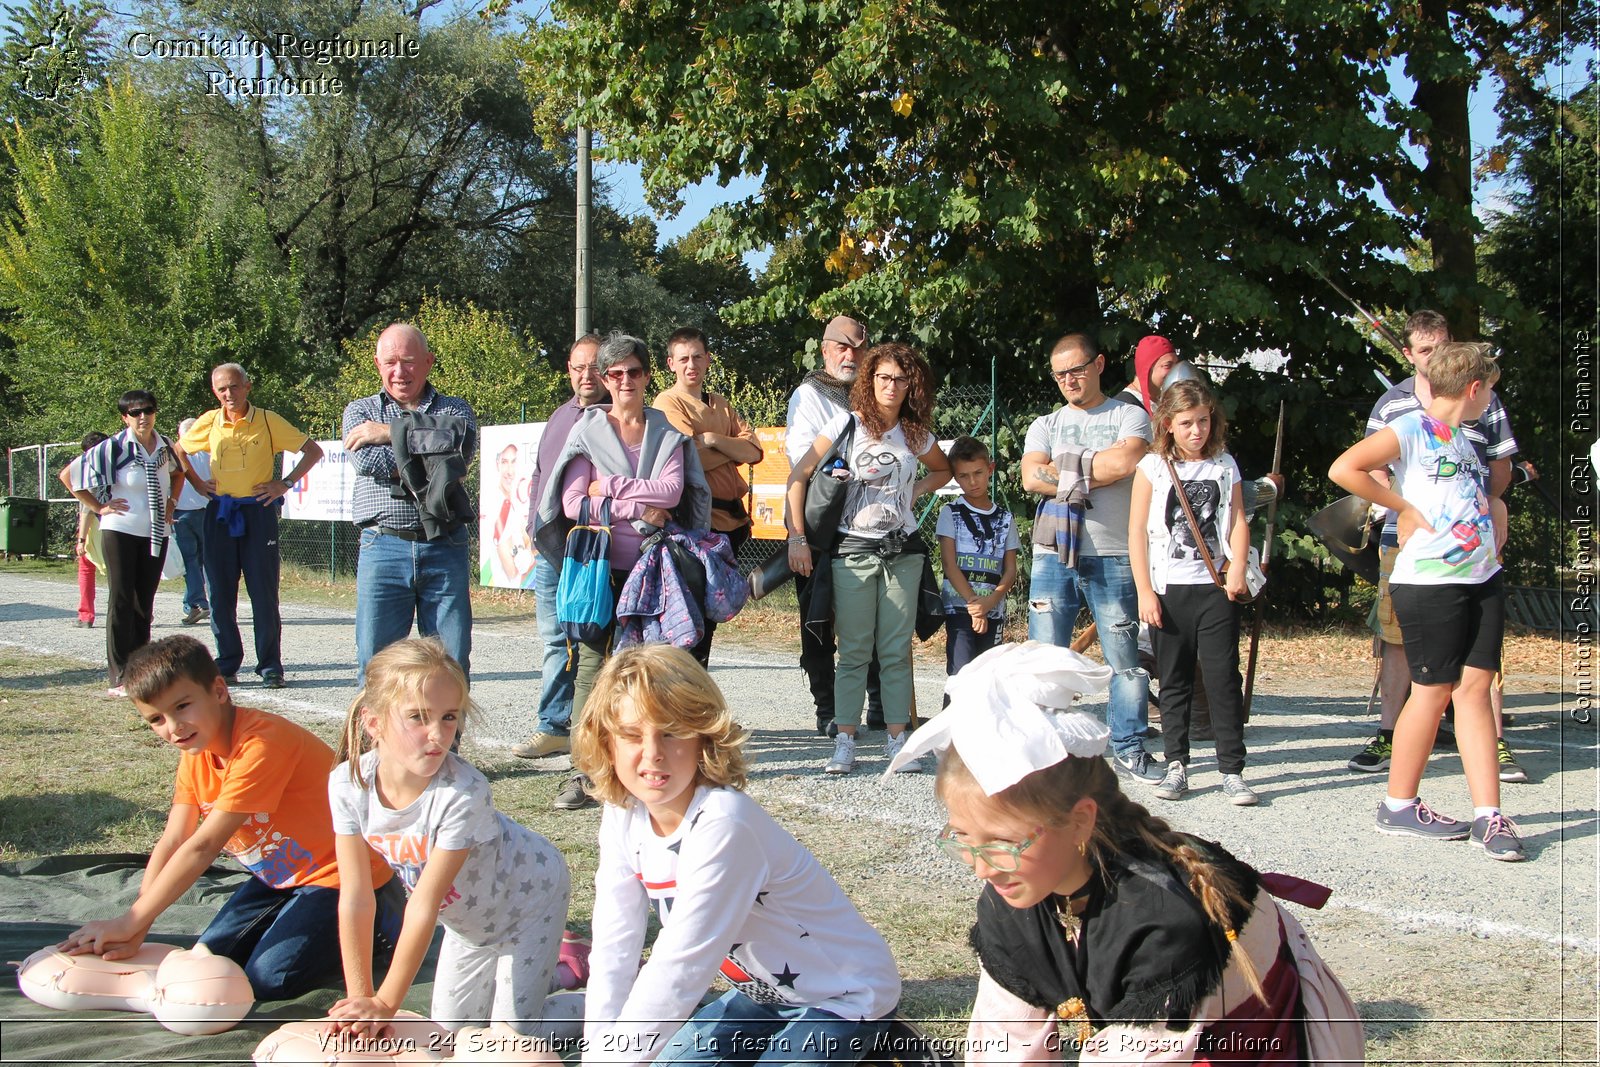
1086,451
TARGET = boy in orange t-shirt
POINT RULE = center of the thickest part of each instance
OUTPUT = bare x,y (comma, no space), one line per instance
254,785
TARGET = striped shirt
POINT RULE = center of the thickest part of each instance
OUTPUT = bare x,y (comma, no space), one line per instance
1490,436
374,502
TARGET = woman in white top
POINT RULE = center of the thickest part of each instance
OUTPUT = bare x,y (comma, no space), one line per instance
130,481
876,567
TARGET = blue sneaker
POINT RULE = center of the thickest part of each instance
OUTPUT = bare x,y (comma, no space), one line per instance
1497,836
1419,820
1140,765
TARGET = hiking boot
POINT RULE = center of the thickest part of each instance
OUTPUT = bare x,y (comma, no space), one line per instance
1174,783
1510,769
574,795
542,744
1139,765
892,747
1237,792
1419,820
273,679
844,755
1497,836
195,615
1373,758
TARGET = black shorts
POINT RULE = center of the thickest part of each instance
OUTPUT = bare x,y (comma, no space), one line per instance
1447,627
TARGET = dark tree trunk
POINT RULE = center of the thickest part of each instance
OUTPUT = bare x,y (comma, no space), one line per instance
1448,177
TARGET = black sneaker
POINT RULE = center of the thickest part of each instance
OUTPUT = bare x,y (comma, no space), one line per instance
232,680
1373,758
573,795
1445,739
826,726
1497,836
1140,765
273,679
1419,820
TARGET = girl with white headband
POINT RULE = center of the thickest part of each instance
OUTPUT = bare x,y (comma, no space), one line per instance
1143,945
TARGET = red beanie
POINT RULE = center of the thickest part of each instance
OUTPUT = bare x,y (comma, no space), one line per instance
1150,350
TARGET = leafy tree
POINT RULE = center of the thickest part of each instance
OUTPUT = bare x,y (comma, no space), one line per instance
1544,249
1449,46
480,358
125,267
421,175
993,172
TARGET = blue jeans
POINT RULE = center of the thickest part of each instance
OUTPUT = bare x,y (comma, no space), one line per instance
1106,584
287,940
189,531
736,1029
558,670
255,557
397,580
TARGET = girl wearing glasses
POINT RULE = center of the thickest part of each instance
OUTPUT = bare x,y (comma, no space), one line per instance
631,458
1143,945
877,565
736,895
130,481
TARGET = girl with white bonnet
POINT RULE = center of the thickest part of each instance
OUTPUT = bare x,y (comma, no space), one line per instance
1101,928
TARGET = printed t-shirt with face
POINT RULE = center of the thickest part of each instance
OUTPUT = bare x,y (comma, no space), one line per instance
277,773
1105,523
1441,474
882,473
982,539
507,861
1208,483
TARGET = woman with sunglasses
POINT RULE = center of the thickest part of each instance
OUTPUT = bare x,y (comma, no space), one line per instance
131,482
1142,944
876,567
629,457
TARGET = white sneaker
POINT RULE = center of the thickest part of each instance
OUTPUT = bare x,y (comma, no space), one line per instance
892,749
844,755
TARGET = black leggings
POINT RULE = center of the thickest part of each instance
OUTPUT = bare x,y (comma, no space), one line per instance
1200,624
132,576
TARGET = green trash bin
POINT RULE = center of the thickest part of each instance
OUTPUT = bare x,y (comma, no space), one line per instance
22,525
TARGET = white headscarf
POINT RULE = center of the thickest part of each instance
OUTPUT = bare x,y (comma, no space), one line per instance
1011,714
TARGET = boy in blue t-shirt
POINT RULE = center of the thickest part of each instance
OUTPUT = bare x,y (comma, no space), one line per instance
1447,590
978,544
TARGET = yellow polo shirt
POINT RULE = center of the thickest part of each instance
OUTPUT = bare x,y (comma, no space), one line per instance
244,452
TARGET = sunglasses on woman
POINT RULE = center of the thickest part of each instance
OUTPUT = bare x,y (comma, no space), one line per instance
632,374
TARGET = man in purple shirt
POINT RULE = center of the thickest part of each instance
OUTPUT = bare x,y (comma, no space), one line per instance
555,677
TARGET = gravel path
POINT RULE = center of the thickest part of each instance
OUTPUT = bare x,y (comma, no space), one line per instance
1315,819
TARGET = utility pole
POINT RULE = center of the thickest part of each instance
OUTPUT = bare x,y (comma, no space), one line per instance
584,287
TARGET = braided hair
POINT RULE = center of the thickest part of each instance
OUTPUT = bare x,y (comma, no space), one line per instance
1122,828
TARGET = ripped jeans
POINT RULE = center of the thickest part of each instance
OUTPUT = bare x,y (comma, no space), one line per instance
1106,584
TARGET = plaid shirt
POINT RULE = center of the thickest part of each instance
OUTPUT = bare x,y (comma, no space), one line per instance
374,503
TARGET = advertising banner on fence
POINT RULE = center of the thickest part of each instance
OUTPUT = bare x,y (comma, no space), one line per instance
325,492
506,455
767,480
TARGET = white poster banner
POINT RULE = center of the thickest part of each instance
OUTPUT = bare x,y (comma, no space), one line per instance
505,464
325,492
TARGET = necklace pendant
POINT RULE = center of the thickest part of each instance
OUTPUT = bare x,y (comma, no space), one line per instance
1070,923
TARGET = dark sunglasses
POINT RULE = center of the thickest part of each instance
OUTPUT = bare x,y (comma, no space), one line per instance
632,374
135,413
